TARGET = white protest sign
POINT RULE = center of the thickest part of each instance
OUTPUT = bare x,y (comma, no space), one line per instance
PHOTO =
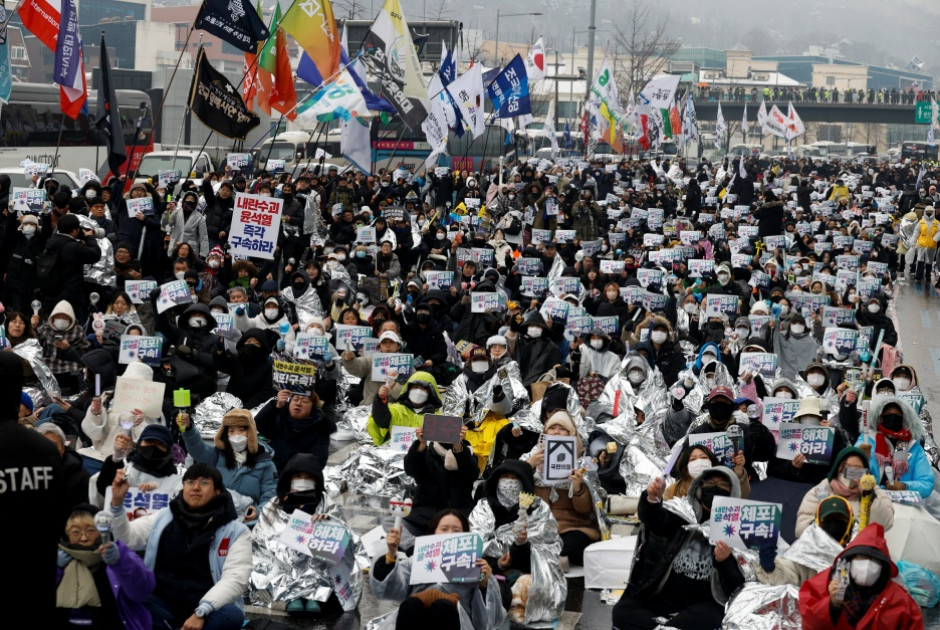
255,226
717,304
130,394
143,205
391,367
777,411
139,290
238,161
27,199
560,458
140,348
744,524
401,438
447,558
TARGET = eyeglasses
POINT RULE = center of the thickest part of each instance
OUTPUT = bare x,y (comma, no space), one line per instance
205,484
88,532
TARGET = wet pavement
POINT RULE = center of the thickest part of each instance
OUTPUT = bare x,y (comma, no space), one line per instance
918,320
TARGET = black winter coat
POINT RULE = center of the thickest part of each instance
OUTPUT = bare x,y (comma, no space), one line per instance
73,254
22,255
437,487
218,212
288,436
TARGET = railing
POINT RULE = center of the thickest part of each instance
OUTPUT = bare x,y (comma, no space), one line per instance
906,98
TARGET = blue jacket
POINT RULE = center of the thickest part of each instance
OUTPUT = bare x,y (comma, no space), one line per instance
131,583
258,482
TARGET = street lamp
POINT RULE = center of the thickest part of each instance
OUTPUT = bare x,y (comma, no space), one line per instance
501,14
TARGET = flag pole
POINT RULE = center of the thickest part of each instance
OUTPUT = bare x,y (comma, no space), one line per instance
3,29
166,91
397,143
55,158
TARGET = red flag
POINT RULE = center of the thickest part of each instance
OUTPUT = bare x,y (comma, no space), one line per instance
675,121
250,86
644,140
42,20
283,98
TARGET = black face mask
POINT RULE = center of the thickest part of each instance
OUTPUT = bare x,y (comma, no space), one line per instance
298,288
153,456
251,352
892,422
835,528
708,493
306,501
720,412
423,318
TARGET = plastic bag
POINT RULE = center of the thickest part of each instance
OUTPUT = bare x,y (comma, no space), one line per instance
923,586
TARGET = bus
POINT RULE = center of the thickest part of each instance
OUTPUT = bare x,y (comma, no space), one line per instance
918,150
32,122
298,149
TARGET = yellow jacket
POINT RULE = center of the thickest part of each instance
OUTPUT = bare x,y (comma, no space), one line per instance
926,234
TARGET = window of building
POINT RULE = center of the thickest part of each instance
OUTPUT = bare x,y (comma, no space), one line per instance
830,81
18,52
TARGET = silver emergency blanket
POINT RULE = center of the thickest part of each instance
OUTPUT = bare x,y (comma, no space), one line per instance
102,272
308,306
653,390
356,420
376,473
481,400
313,221
814,549
558,268
645,450
208,414
930,444
31,351
530,418
764,607
549,588
722,378
907,231
280,574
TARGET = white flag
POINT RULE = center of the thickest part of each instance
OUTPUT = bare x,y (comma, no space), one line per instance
744,124
762,115
467,92
776,123
933,122
548,129
659,92
356,144
741,170
720,128
794,123
690,121
523,121
535,63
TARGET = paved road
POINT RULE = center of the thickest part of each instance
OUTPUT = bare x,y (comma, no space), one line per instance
918,319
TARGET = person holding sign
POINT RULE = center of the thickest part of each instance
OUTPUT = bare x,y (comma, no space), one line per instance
361,367
448,606
99,583
797,468
23,244
202,549
676,573
291,576
146,464
294,423
692,462
573,507
535,348
862,594
196,345
142,232
219,210
418,397
188,225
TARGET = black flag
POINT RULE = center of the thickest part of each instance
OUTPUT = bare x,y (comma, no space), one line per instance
235,21
217,104
108,121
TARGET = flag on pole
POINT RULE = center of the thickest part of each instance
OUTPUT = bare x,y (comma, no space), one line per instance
311,23
390,55
933,121
776,122
69,70
535,62
275,60
509,92
42,18
720,128
690,125
744,124
467,95
234,21
794,123
214,101
609,111
251,85
108,118
742,172
6,74
340,98
356,144
675,121
448,69
762,115
548,129
569,143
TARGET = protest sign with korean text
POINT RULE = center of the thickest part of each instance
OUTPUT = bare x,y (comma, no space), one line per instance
142,205
718,304
391,367
560,458
813,442
718,443
139,348
447,558
139,290
256,223
350,336
763,363
295,377
777,411
744,524
311,347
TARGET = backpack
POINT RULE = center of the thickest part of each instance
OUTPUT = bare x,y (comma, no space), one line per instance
48,276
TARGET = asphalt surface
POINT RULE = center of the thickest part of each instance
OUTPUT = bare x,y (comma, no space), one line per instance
917,316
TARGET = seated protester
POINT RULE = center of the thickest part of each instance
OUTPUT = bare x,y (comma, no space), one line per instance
246,465
759,444
294,423
897,460
99,584
63,343
796,469
361,367
75,477
195,345
98,364
198,549
498,347
661,352
250,368
677,574
329,370
474,327
418,397
425,339
573,506
513,442
904,378
872,600
794,346
272,317
449,606
594,356
444,475
148,464
511,547
102,425
848,466
692,462
814,551
534,349
287,576
478,395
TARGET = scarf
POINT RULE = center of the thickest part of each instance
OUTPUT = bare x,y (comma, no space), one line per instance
197,521
852,494
858,599
450,460
884,450
77,588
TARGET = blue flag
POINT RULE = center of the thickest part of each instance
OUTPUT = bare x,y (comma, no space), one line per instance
6,75
568,142
307,70
448,69
510,90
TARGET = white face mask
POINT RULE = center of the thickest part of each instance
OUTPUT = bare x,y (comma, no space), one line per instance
216,312
29,230
658,336
302,485
417,396
239,442
636,377
865,571
61,324
90,193
853,298
723,279
690,308
797,329
743,332
797,270
441,236
698,466
340,257
784,310
213,264
784,394
271,313
597,344
507,492
197,322
815,379
874,308
479,367
901,383
180,275
534,331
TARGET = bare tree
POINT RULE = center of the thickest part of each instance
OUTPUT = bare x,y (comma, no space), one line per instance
644,47
354,9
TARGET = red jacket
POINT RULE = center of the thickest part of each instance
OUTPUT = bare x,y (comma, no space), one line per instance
892,610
